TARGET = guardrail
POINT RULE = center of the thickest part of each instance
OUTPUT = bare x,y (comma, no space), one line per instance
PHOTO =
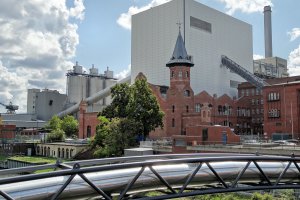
182,175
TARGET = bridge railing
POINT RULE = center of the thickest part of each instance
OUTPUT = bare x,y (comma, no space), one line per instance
175,173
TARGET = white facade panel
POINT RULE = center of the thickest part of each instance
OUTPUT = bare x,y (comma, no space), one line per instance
154,34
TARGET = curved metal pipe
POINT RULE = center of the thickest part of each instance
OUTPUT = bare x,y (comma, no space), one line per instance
114,178
92,99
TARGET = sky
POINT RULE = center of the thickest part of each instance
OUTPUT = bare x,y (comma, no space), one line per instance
40,40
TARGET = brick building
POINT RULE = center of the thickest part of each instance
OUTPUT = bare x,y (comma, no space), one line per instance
88,122
282,109
258,114
189,119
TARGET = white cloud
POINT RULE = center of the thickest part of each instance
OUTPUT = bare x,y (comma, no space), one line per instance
294,62
245,6
125,18
294,34
37,39
124,73
257,57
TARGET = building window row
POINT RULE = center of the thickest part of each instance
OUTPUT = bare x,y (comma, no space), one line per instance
173,74
224,110
243,112
251,92
273,96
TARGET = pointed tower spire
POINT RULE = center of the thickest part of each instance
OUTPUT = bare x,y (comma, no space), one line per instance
180,56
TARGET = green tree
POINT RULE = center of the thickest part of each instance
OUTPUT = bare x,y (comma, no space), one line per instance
54,123
56,135
144,108
70,126
112,137
120,97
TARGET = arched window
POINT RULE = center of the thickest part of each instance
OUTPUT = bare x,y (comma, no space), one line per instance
187,93
173,122
180,74
63,153
172,74
187,109
58,154
48,152
187,74
67,153
173,108
45,151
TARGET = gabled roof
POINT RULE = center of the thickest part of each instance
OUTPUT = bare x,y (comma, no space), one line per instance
180,56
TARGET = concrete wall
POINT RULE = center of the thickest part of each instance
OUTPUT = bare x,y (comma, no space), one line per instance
154,34
49,103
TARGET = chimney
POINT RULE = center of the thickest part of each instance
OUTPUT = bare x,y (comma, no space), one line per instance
268,31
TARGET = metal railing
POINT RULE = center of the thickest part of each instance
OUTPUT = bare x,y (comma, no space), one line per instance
181,175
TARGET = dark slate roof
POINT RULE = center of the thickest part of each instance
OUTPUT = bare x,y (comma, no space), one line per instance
180,56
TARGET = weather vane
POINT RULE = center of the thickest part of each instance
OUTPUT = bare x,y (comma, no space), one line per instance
179,24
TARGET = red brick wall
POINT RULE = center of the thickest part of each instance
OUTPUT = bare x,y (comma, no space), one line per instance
7,131
288,104
85,120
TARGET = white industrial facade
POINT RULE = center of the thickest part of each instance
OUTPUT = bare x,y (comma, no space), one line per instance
81,85
208,34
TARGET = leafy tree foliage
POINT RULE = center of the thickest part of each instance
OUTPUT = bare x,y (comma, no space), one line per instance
56,135
112,137
133,113
136,103
144,108
70,126
54,123
120,94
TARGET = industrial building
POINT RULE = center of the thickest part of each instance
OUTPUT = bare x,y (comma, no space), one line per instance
45,103
208,34
81,85
270,67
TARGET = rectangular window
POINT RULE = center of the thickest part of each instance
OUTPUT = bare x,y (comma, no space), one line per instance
197,107
200,24
173,122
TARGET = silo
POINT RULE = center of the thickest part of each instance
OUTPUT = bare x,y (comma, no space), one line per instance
77,84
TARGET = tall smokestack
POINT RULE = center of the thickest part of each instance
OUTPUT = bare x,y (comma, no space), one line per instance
268,31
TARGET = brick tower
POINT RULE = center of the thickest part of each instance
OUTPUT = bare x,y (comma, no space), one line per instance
180,95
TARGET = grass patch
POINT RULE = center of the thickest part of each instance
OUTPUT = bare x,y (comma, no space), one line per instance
34,159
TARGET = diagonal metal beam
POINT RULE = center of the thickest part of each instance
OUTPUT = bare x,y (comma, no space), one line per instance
190,178
98,190
130,184
262,172
5,195
56,195
240,174
162,180
283,172
296,164
216,174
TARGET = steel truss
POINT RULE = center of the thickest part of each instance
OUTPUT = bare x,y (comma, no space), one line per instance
209,174
236,68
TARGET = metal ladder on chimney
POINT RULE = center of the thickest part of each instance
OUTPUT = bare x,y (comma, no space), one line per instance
248,76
